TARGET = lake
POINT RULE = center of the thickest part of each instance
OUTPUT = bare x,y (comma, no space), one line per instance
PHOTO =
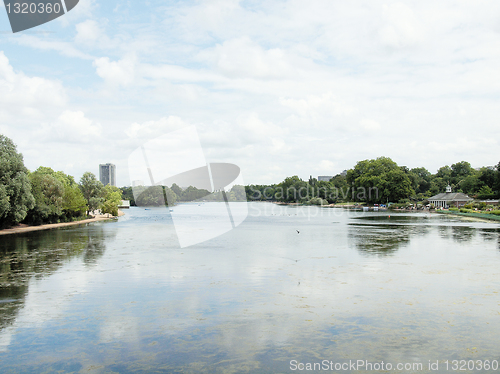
291,288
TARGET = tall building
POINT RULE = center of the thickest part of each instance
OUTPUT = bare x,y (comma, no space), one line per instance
324,178
107,174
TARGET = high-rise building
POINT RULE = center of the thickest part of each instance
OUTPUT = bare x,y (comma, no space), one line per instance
324,178
107,174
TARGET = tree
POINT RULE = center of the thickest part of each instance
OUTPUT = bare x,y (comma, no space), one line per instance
444,172
460,170
15,190
48,192
379,180
177,190
92,190
421,180
74,204
154,196
485,193
112,199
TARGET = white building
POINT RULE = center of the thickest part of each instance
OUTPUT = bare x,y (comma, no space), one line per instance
448,198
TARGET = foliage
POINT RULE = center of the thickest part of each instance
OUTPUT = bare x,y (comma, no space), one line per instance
92,190
485,193
48,192
128,194
15,190
154,196
380,180
57,196
74,204
112,199
459,171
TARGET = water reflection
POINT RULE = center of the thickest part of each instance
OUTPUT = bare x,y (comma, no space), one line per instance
35,255
346,287
381,240
383,235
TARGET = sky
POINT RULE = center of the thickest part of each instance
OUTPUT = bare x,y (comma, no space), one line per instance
279,88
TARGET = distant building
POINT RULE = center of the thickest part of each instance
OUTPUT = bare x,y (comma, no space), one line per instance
449,198
344,173
324,178
107,174
137,183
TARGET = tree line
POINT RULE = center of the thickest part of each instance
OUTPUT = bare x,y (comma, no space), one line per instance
48,196
165,196
380,181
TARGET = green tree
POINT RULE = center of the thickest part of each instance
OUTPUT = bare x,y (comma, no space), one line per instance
92,190
48,192
74,204
485,193
421,181
471,184
177,190
459,171
112,199
15,190
154,196
444,173
379,180
128,194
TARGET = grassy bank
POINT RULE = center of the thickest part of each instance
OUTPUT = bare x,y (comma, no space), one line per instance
492,217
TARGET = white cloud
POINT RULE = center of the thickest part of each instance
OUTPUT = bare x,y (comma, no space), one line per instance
71,127
116,73
24,96
88,32
401,27
242,58
152,129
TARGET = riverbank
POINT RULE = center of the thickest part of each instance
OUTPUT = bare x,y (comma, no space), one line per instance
19,229
483,216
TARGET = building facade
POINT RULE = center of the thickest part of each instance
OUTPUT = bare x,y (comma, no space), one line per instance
448,198
107,174
324,178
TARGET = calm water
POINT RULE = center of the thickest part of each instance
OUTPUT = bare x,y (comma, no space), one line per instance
123,297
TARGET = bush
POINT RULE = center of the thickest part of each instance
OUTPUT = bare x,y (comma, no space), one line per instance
454,209
317,201
464,210
495,212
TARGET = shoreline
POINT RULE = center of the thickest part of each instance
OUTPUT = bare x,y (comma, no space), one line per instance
20,229
477,216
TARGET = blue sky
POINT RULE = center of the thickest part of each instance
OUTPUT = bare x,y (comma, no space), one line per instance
277,87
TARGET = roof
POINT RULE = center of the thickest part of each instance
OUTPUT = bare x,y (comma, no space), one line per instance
451,196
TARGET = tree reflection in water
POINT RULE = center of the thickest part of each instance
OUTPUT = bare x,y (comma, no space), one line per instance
41,253
382,240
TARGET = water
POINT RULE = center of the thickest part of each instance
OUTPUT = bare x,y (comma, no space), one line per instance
123,297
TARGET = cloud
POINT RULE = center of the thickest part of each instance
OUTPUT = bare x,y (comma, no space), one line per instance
47,44
71,127
88,32
243,58
21,95
116,73
152,129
